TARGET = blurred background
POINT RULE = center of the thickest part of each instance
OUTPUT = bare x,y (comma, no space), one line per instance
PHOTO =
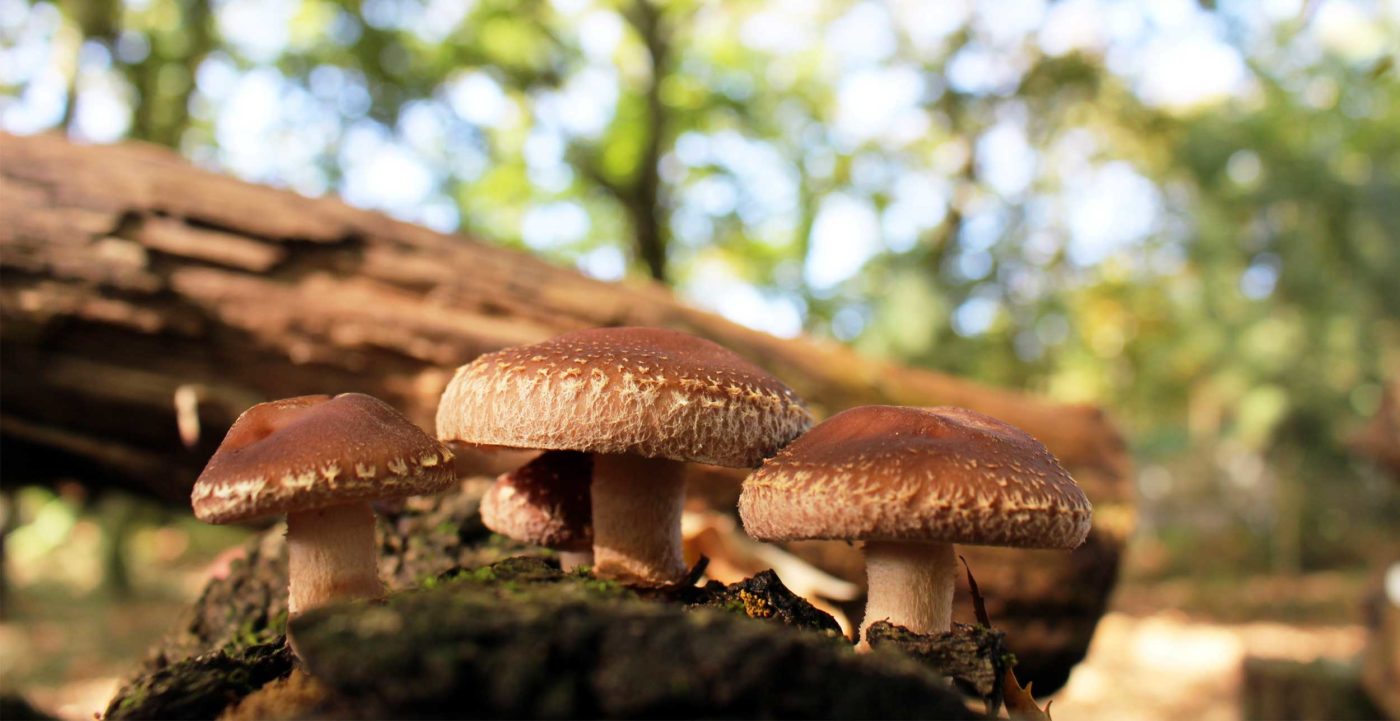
1187,213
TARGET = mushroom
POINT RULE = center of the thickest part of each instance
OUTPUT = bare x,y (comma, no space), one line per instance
321,460
911,482
545,503
640,400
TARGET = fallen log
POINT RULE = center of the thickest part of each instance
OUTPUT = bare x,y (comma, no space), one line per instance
145,302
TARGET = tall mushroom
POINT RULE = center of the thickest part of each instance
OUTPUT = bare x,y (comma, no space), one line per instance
545,503
911,482
321,460
640,400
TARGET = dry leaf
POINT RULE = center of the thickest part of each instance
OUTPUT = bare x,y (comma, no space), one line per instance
1019,702
977,604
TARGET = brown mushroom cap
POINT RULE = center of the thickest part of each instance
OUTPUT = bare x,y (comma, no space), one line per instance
544,502
885,473
646,391
315,451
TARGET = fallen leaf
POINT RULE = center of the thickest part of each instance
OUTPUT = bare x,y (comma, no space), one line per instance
1020,704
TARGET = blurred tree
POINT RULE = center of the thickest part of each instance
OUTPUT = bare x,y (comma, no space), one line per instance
1184,211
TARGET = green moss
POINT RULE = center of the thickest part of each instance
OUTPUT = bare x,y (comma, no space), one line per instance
201,687
132,700
496,540
606,589
522,639
485,574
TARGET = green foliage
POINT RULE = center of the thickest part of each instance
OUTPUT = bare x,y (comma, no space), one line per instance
1240,324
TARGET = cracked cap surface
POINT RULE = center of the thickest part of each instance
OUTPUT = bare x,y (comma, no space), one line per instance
309,452
886,473
649,391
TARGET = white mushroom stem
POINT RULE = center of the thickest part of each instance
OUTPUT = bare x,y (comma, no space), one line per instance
570,560
637,504
910,585
331,556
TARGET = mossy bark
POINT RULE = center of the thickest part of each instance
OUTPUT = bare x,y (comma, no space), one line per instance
479,626
521,639
203,686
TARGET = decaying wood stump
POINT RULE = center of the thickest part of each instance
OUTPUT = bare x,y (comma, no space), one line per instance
143,299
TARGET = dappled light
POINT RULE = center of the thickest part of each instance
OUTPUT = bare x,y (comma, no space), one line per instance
1169,230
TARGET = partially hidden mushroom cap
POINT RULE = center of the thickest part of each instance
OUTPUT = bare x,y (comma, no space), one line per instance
885,473
316,451
646,391
545,502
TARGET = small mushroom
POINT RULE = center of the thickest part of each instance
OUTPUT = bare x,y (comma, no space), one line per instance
911,482
546,503
641,401
321,461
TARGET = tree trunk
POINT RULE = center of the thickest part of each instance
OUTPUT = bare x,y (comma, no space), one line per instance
128,277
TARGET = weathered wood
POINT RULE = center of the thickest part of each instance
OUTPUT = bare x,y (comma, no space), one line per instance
128,275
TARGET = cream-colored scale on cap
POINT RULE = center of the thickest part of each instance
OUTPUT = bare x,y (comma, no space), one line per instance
911,482
291,457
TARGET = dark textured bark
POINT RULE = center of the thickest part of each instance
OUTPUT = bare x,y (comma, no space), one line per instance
565,647
762,596
127,275
519,638
203,686
974,655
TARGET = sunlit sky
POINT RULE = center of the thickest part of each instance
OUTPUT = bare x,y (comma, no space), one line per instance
1171,53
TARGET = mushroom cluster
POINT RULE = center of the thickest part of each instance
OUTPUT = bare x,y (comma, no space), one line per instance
615,414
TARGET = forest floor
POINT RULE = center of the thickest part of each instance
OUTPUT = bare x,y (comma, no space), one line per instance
1167,665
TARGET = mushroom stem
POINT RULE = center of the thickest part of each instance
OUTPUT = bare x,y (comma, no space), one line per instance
331,556
570,560
910,585
637,505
